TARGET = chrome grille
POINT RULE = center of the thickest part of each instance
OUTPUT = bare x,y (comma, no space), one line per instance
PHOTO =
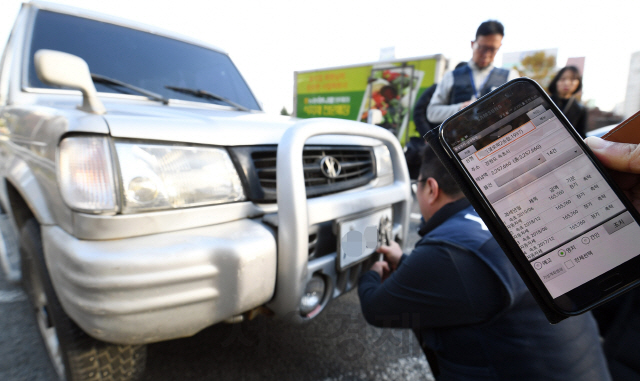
356,168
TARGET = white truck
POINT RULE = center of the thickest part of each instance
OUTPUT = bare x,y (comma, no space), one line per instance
145,196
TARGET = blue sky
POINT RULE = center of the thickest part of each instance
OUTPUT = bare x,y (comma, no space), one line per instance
269,40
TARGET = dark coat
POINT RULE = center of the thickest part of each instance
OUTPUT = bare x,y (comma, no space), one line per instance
461,294
575,112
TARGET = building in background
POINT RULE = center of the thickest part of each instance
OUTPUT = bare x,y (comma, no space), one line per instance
632,98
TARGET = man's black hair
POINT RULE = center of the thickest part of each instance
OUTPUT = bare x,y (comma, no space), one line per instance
432,167
490,27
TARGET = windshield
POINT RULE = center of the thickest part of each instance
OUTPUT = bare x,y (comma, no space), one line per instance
145,60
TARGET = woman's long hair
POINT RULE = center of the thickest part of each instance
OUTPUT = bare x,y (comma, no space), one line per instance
553,86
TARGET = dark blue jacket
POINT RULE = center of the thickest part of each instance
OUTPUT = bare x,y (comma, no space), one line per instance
461,294
464,88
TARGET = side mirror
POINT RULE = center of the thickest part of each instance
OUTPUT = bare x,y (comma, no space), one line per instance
60,69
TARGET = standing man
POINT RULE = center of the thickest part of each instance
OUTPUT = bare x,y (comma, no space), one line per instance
465,84
472,313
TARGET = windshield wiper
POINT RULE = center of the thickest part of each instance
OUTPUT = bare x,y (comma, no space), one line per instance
97,78
207,95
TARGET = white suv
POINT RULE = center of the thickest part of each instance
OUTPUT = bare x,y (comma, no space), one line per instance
144,196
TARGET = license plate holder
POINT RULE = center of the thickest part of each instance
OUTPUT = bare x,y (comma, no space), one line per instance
358,236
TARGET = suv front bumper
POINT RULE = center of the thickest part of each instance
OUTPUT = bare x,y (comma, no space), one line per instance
162,286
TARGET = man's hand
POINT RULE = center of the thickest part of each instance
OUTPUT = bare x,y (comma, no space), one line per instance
382,268
623,160
465,104
392,254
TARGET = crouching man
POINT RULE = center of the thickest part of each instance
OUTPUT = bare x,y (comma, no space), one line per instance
472,314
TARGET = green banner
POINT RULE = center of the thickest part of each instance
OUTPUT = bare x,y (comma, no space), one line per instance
331,93
386,90
332,105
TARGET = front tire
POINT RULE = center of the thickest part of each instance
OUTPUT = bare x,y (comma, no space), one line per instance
75,355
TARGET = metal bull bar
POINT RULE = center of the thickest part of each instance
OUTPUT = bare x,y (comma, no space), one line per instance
296,213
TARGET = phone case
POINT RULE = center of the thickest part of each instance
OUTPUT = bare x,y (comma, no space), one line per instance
433,140
627,132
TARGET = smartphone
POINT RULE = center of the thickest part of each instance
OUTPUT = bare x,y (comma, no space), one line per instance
568,227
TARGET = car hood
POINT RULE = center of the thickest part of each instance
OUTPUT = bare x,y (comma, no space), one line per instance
209,126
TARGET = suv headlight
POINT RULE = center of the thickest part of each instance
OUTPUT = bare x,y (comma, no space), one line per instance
163,177
152,176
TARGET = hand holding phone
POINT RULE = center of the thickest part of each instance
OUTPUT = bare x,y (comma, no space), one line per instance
564,223
624,160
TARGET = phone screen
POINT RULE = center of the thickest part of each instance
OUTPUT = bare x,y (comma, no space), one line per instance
569,224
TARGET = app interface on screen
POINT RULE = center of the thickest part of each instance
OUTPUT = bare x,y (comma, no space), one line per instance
554,202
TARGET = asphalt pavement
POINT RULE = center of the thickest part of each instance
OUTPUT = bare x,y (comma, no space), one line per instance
22,353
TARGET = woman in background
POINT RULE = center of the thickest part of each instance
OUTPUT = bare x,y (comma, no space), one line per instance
563,89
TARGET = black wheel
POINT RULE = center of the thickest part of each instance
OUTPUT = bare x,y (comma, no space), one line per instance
75,355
